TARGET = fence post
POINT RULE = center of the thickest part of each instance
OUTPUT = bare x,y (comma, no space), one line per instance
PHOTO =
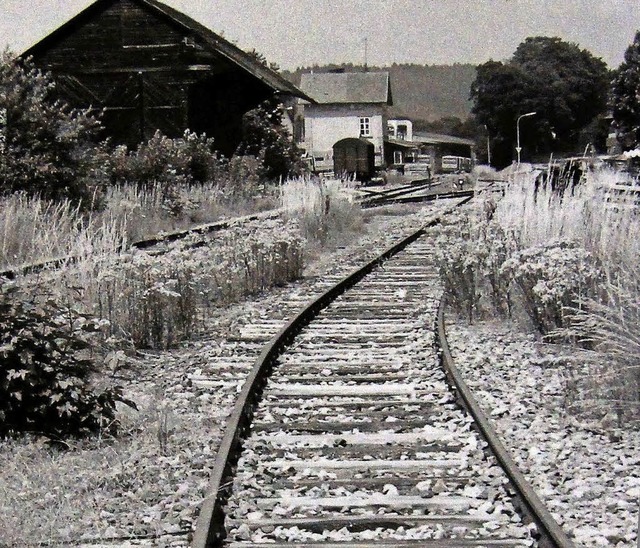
3,128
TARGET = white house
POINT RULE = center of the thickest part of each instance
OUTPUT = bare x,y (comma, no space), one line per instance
350,105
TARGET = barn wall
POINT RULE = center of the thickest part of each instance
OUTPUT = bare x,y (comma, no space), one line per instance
149,74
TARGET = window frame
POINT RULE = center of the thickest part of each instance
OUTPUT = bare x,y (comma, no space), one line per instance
364,124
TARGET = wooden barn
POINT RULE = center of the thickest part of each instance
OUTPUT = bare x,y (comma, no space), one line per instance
149,67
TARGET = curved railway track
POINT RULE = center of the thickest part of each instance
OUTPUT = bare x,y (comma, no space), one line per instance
347,434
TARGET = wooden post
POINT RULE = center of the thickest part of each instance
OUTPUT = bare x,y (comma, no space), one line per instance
3,129
142,105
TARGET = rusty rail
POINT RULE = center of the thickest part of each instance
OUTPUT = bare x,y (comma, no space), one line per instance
551,533
210,531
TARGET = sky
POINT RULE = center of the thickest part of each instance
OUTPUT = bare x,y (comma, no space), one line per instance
295,33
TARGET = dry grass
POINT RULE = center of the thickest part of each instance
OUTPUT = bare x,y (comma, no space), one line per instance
325,210
33,230
609,323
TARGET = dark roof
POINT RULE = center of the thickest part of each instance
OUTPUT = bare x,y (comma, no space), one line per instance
211,40
347,87
437,138
400,143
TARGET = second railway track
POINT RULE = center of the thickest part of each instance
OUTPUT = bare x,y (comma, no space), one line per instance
356,440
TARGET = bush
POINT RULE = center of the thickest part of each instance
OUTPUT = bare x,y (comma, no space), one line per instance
265,137
470,254
47,148
157,300
174,166
552,277
45,369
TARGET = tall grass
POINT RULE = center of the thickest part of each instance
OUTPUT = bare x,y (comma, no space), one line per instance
325,210
607,322
33,230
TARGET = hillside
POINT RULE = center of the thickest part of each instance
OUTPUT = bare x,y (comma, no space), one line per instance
420,92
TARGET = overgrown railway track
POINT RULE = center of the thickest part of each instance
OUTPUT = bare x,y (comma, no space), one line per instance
347,434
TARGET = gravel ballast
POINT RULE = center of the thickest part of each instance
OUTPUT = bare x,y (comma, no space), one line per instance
588,475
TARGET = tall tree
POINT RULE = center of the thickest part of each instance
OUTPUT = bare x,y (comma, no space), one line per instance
565,85
47,148
625,96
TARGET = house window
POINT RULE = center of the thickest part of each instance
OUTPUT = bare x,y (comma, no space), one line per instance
365,127
397,156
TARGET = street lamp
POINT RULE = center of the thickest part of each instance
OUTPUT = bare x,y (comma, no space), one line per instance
518,147
488,145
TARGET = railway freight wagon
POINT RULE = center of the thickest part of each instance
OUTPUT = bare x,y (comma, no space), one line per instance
354,157
456,164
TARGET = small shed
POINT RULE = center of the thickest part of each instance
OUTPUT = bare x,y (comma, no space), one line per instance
150,67
354,157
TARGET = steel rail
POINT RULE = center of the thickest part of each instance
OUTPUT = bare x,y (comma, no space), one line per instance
210,531
414,186
551,533
419,199
12,274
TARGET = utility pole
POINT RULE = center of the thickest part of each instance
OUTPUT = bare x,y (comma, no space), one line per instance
366,45
488,146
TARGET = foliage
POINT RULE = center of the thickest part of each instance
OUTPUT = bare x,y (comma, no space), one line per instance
45,367
173,169
157,300
565,85
624,96
47,147
470,253
170,164
265,137
324,210
551,278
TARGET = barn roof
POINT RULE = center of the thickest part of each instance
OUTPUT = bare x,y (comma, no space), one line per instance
347,87
210,40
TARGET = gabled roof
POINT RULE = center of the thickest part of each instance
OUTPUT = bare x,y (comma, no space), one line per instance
210,40
347,87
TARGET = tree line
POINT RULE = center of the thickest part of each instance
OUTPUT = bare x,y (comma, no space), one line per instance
576,98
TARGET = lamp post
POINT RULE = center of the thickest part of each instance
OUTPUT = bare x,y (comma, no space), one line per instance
518,147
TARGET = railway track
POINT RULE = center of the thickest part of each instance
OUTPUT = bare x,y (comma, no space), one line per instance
348,435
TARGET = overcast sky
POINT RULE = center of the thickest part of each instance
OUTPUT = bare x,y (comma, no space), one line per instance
303,32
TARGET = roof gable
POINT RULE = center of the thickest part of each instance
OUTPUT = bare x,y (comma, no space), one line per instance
210,40
348,87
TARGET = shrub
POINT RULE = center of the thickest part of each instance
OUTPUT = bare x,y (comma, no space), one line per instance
265,137
470,254
170,164
157,300
47,148
552,277
46,364
172,168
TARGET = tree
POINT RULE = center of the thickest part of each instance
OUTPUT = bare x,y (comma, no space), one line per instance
265,137
48,148
565,85
625,97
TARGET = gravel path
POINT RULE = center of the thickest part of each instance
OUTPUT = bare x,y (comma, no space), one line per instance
589,476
